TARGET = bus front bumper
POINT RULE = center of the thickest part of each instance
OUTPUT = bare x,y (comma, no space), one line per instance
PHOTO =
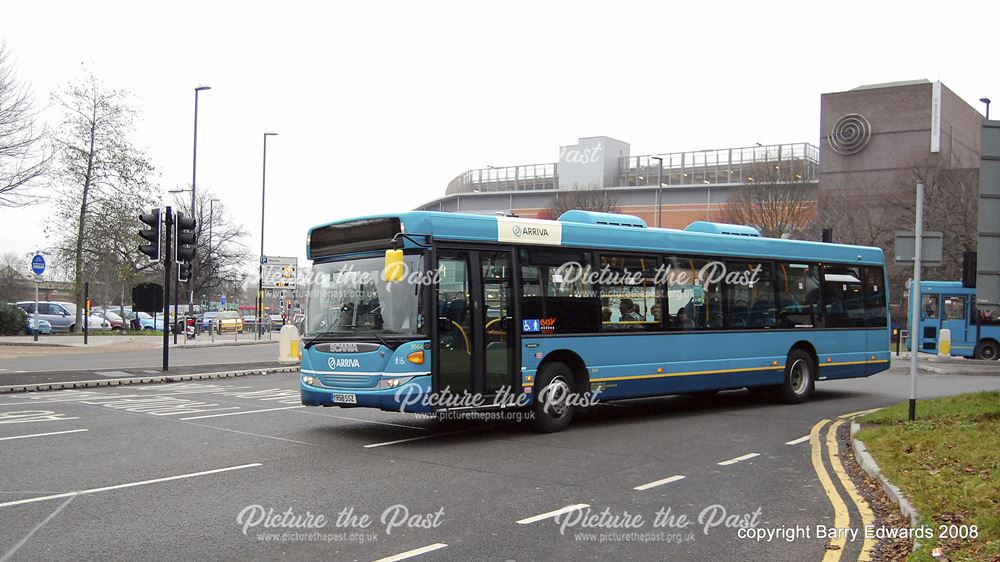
407,397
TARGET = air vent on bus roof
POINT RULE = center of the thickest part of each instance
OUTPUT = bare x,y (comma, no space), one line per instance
723,228
593,217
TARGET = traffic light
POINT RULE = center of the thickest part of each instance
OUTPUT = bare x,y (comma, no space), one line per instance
184,272
969,269
185,241
151,234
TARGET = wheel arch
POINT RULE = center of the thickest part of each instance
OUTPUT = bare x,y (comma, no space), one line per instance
581,378
808,348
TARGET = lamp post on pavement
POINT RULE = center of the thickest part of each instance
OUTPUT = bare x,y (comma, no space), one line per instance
260,274
194,177
987,102
659,188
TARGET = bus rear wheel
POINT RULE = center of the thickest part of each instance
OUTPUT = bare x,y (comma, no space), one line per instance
554,387
987,349
800,377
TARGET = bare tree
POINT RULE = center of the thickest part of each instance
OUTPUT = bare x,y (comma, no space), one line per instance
861,220
775,201
584,199
951,206
98,166
221,255
13,282
24,159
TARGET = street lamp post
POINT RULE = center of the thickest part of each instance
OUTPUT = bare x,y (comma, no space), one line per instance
260,274
194,177
987,102
659,188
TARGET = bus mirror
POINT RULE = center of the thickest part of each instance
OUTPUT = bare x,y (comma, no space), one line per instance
393,270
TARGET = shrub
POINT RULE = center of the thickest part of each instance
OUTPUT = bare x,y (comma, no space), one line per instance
12,320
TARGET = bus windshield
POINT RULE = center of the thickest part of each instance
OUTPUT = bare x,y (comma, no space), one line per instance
351,297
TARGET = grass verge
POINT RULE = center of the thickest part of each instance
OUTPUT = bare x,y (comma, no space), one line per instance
948,465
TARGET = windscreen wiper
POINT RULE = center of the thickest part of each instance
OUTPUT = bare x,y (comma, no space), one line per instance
371,331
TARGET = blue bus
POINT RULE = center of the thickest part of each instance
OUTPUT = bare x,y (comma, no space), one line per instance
430,312
949,305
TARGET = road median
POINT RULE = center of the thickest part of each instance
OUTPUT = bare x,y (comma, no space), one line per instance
91,378
943,468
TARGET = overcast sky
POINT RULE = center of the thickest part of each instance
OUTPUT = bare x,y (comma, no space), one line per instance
379,105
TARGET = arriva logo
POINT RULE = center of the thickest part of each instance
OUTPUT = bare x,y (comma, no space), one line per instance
529,231
340,362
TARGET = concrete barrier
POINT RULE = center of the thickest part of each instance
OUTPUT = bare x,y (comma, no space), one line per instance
288,344
944,343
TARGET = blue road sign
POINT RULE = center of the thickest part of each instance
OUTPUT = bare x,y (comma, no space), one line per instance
38,264
222,299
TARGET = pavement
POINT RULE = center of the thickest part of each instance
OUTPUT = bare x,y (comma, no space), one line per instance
77,341
239,469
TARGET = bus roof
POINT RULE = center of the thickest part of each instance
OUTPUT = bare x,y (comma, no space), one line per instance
627,236
945,287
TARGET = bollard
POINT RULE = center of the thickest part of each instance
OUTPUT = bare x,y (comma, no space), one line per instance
288,344
944,343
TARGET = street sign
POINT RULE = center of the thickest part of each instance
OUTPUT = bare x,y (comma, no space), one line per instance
906,243
222,299
278,272
39,279
38,264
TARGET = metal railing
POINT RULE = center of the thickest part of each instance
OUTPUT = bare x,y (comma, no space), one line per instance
527,177
789,162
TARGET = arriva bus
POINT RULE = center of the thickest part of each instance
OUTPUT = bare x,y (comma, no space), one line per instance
429,311
949,305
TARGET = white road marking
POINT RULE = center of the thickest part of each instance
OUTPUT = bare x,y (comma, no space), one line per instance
241,413
386,443
567,509
250,433
128,485
859,413
10,553
42,434
667,480
802,439
738,459
412,553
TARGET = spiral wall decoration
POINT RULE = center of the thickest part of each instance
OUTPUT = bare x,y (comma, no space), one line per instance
850,134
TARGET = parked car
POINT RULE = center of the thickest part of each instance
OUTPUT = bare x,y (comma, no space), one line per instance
43,326
116,321
145,321
229,321
60,315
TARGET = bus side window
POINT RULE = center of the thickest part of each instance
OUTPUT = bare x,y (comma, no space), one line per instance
954,308
843,296
555,287
798,295
929,307
875,297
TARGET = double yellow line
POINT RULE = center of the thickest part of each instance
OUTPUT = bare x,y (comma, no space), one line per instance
841,517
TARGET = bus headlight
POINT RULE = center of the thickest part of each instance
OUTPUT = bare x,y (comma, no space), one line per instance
310,380
394,382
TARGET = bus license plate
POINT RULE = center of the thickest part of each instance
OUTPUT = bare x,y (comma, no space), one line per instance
345,398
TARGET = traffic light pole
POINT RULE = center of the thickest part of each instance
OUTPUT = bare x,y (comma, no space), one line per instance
167,259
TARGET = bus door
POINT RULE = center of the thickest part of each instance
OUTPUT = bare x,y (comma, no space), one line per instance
954,312
475,348
930,322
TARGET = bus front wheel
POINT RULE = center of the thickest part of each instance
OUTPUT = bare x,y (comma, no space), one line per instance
988,349
554,388
800,377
